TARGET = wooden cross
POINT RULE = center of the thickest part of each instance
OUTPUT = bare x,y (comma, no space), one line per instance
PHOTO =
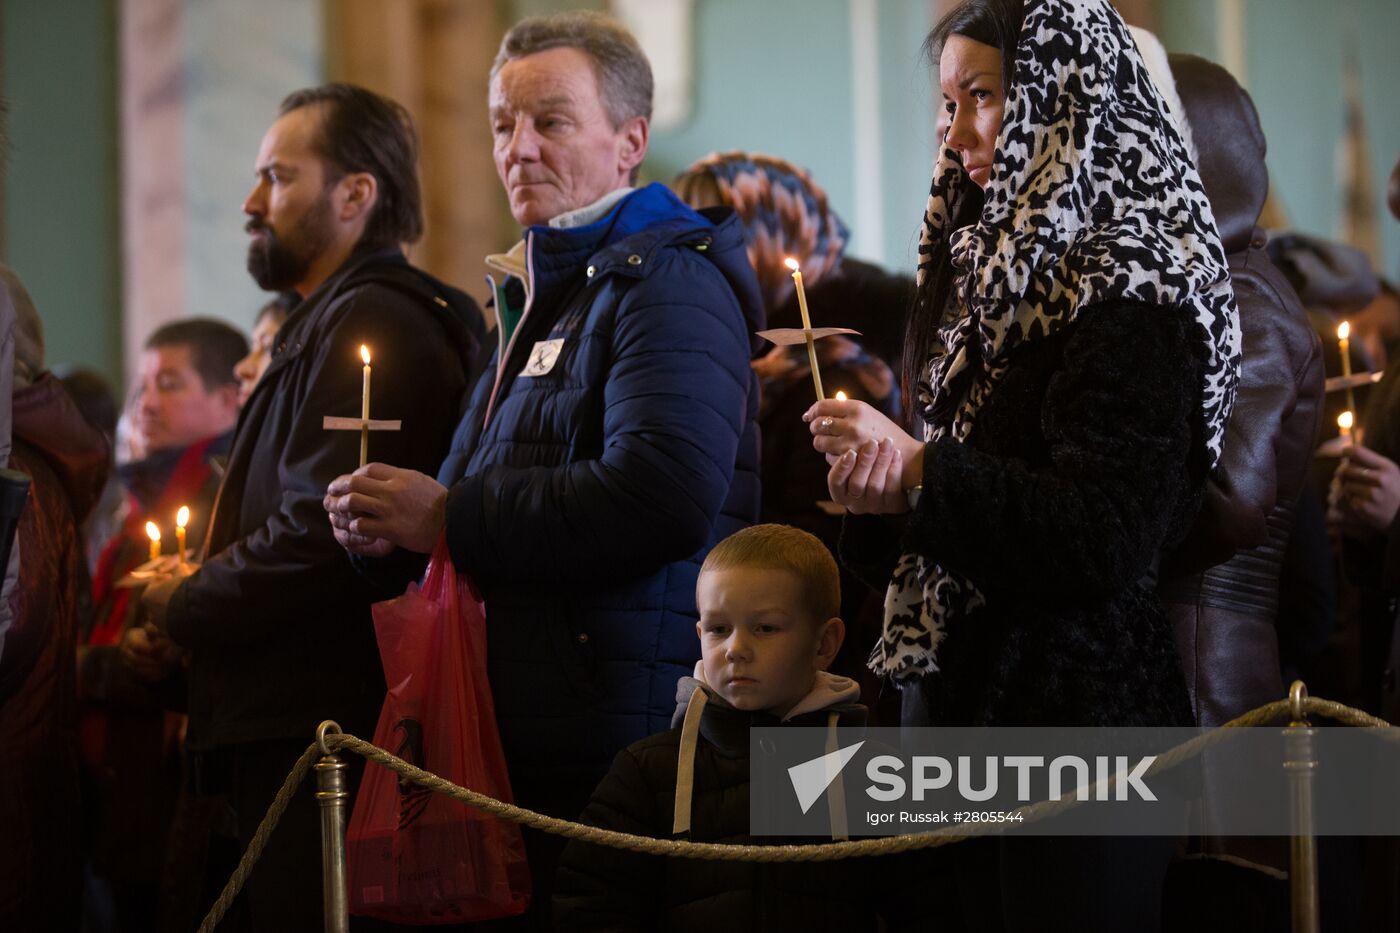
364,426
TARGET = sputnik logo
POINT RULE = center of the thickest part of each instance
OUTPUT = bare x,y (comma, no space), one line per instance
811,778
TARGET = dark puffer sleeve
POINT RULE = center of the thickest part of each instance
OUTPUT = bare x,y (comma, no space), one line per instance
1121,418
602,888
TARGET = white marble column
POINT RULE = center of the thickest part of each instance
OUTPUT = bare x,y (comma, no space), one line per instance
200,84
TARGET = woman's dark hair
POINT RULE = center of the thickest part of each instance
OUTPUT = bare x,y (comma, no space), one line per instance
364,132
991,22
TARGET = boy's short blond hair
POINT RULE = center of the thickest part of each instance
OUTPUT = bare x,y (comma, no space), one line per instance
782,547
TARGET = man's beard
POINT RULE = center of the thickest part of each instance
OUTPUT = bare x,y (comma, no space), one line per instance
277,263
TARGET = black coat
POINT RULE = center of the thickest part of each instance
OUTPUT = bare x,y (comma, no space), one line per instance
276,620
1085,462
600,888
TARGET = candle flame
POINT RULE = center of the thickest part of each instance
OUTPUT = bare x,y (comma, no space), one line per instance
791,264
364,353
1345,420
152,531
840,396
1344,330
182,517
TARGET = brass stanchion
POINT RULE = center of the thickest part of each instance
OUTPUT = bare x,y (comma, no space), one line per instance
333,797
1300,765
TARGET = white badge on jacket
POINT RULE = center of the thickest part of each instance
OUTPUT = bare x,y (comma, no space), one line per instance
543,357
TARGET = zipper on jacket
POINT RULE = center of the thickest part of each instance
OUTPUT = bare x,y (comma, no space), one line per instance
503,355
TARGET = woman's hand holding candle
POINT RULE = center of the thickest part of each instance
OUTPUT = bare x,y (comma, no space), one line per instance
840,426
869,479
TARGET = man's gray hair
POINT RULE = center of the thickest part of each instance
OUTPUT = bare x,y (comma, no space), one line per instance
620,65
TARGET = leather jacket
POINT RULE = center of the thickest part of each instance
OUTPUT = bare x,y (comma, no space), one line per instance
1221,583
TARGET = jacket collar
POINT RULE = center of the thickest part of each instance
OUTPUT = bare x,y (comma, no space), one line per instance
178,469
727,728
623,241
704,713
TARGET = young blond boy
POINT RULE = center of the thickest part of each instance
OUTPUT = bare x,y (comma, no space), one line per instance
768,598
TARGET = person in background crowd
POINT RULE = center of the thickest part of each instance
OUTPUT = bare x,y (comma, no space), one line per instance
1221,583
10,573
187,403
786,214
615,441
94,398
269,321
1072,364
1390,694
275,622
67,461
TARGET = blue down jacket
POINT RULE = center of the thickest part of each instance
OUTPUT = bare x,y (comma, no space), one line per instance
611,442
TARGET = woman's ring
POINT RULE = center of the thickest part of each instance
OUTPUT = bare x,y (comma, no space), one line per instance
827,423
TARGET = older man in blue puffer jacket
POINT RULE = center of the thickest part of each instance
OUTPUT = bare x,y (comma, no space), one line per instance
612,440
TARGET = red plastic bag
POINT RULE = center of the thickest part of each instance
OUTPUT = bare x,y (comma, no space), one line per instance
415,856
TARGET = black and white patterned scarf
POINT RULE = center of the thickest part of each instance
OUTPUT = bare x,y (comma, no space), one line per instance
1092,196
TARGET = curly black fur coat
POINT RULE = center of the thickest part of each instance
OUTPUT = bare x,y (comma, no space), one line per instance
1084,464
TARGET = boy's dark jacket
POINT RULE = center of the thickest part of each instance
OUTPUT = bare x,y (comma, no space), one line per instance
601,888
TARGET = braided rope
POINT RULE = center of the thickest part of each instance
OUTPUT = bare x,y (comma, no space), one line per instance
259,840
813,852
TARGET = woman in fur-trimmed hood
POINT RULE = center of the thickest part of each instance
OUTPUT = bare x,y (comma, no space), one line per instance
1071,364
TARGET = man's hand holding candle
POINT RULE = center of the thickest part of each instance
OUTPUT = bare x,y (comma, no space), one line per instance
378,508
148,654
156,596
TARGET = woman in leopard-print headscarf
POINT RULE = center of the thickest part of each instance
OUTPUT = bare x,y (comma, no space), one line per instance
1071,363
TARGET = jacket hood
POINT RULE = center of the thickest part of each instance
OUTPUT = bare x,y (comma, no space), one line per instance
1230,143
829,691
629,238
728,732
46,419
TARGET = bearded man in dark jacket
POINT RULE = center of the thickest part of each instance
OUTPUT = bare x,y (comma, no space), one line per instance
613,441
276,622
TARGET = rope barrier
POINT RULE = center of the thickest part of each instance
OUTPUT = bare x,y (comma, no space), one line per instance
812,852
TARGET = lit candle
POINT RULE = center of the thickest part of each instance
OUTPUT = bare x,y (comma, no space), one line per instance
153,533
1345,421
840,395
364,409
806,325
182,518
1344,348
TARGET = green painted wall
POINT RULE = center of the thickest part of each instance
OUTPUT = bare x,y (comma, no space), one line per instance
771,77
776,77
1295,52
62,203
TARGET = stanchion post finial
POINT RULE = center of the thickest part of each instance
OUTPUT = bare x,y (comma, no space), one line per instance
333,796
